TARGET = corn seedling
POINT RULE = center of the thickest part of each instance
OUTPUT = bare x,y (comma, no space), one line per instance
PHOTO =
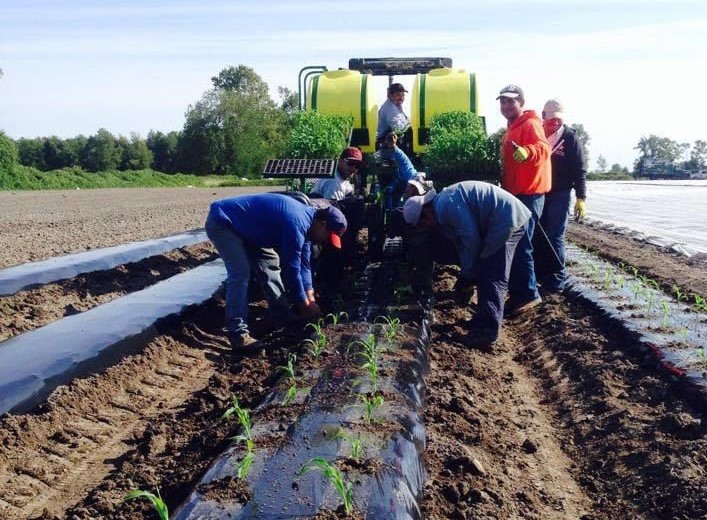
651,300
638,289
391,327
370,405
679,295
291,393
289,368
666,312
244,465
156,500
335,477
700,352
338,317
244,419
368,344
317,345
619,280
700,302
608,278
316,327
356,444
371,364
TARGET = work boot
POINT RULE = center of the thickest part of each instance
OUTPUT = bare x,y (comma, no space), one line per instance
482,339
244,344
516,308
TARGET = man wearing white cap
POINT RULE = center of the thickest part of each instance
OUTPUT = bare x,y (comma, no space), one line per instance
569,171
485,223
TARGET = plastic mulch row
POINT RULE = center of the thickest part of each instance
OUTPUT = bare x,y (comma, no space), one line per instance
33,274
34,363
669,335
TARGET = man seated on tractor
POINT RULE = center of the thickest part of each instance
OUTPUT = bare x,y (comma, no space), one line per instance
485,223
246,231
391,118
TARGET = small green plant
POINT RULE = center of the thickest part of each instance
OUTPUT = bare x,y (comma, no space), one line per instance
244,419
338,317
370,405
289,368
683,334
368,344
371,364
391,327
291,393
335,477
244,466
317,327
700,352
637,289
317,345
620,281
156,500
356,444
666,312
700,302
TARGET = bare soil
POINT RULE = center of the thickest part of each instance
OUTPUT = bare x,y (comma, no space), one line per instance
561,420
37,225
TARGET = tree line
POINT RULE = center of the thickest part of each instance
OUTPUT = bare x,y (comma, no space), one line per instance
233,129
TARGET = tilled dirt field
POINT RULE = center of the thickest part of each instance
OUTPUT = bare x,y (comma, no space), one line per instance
562,420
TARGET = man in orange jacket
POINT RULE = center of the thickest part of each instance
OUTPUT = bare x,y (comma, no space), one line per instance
527,174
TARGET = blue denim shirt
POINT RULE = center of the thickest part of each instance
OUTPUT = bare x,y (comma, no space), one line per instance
479,218
277,221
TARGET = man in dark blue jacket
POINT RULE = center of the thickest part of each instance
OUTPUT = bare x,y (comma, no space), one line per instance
246,231
569,171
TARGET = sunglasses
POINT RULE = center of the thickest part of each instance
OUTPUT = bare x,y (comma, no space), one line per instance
351,162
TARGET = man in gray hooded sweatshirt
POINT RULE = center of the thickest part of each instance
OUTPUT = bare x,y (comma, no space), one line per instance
485,223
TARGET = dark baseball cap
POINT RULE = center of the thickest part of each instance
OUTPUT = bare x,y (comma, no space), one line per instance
352,154
336,224
396,87
511,91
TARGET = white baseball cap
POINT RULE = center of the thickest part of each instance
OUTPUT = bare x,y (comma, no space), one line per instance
553,109
412,209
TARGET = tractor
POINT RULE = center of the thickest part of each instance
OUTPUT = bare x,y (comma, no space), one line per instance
438,88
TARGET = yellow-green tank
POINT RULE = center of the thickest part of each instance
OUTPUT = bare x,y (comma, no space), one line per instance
440,90
347,93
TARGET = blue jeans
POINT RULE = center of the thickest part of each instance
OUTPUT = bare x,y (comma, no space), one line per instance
522,285
492,282
239,258
554,221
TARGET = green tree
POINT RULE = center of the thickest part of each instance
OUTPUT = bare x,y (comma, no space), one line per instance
244,81
584,139
101,153
31,152
698,155
232,129
8,159
58,154
289,101
135,153
602,164
164,150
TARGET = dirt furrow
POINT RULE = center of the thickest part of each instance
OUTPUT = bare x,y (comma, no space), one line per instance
33,308
640,451
493,449
90,424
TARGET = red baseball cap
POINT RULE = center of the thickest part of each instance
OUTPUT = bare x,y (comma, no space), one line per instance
352,154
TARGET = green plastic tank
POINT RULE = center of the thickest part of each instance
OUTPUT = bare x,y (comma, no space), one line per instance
440,90
347,93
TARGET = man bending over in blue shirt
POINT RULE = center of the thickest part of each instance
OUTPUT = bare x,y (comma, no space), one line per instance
246,231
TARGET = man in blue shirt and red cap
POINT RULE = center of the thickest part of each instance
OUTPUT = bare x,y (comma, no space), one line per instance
269,232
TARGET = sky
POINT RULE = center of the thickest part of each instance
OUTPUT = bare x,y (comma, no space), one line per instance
624,69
